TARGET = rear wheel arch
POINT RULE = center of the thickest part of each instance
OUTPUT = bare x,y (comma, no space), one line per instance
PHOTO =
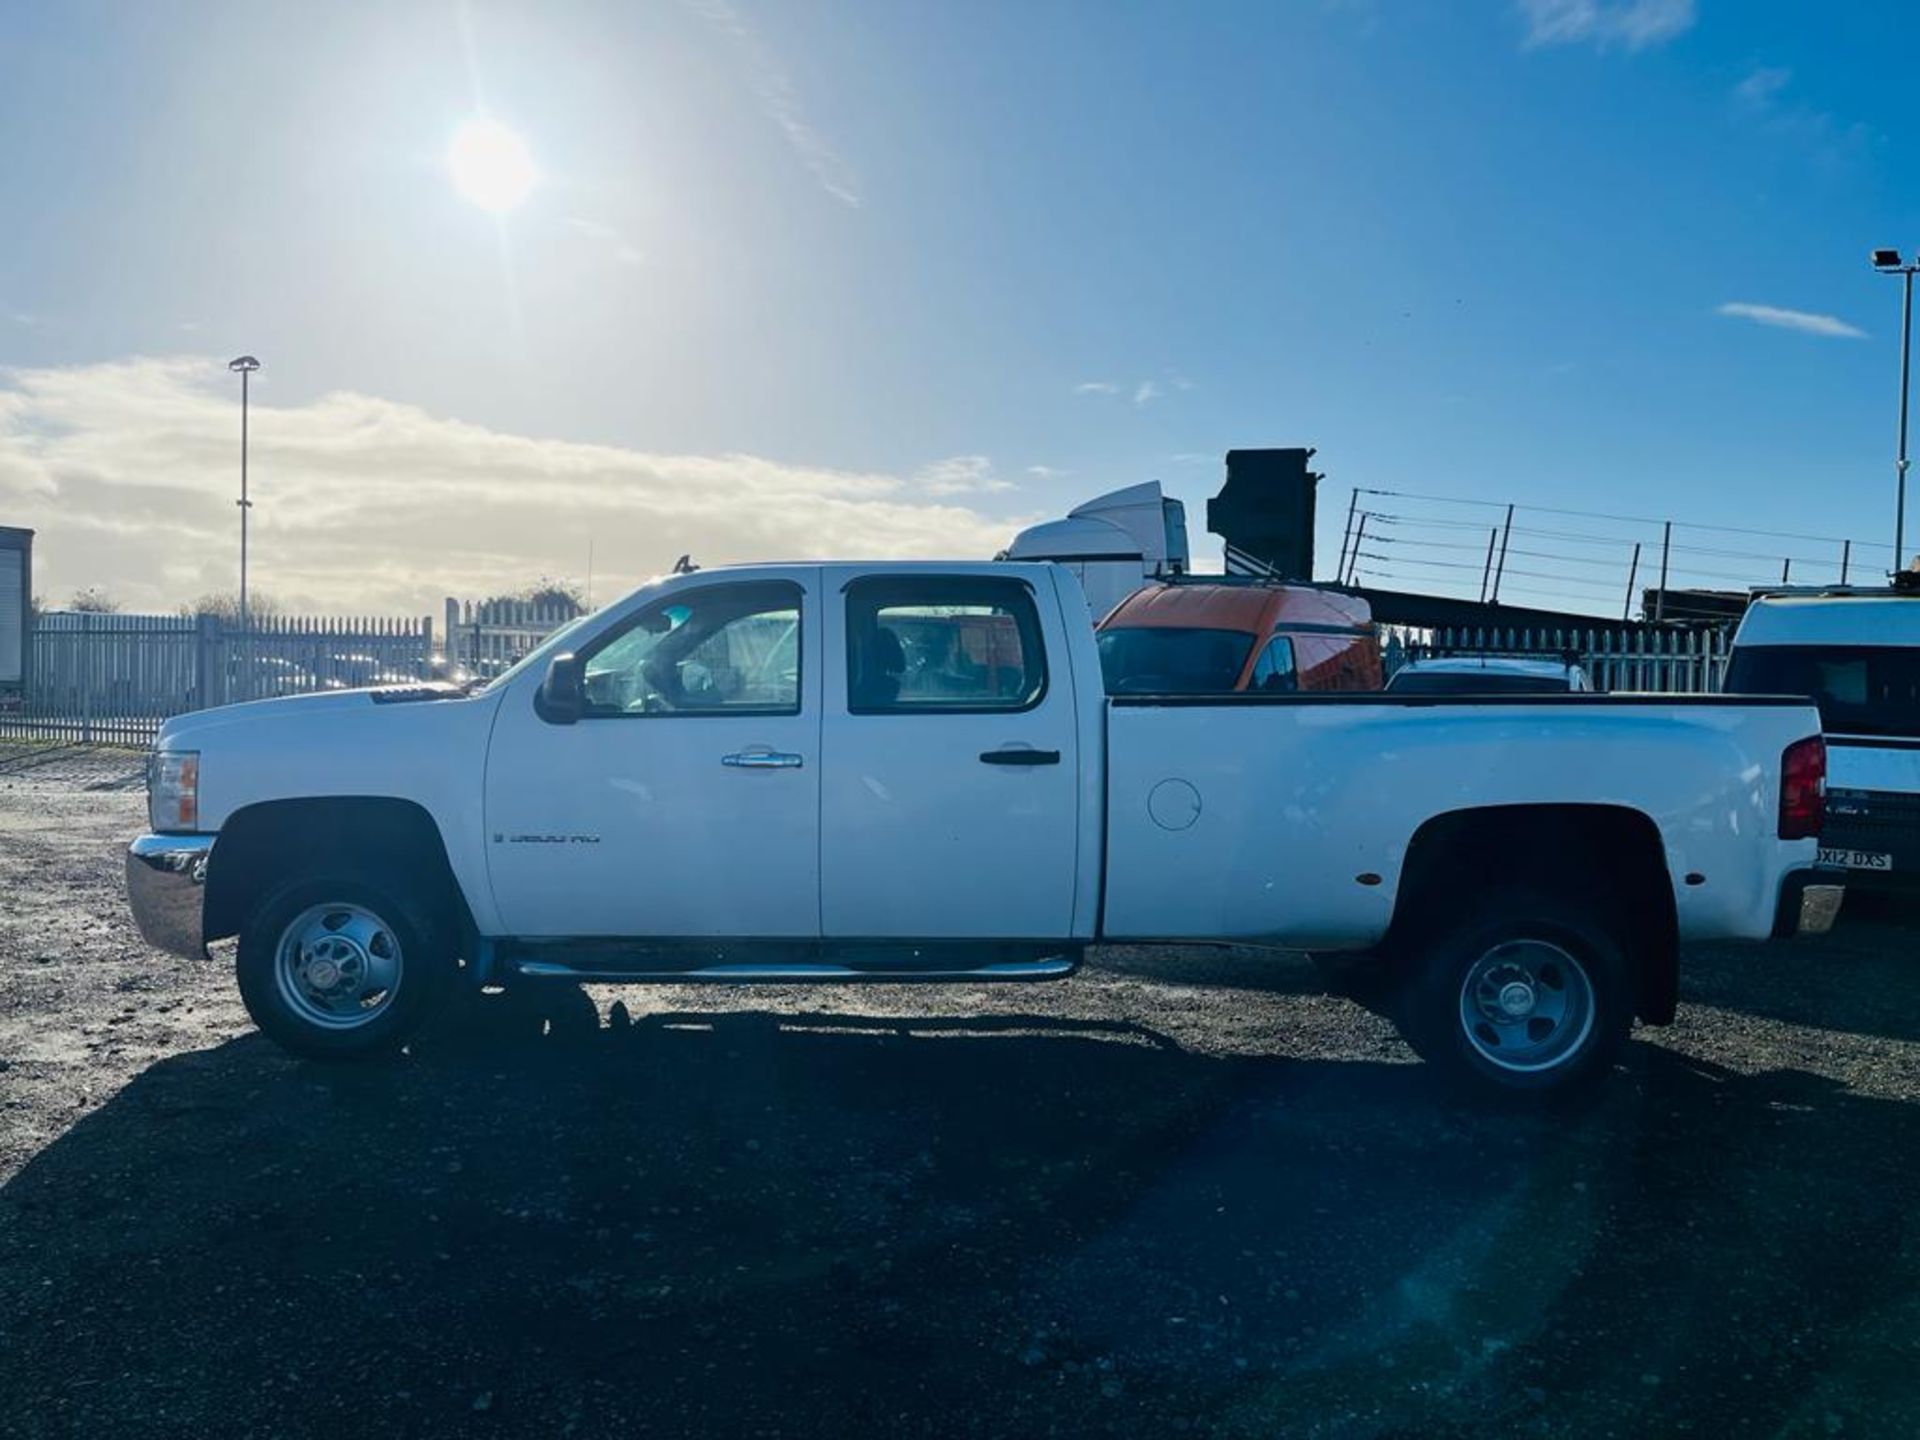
262,846
1610,856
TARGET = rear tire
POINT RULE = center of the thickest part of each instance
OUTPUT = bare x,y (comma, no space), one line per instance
335,966
1530,995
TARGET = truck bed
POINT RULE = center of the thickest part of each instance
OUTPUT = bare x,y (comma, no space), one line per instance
1289,818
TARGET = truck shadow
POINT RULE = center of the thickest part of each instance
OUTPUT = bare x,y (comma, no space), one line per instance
723,1222
1858,979
1279,972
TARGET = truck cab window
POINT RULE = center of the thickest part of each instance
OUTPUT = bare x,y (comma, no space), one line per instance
923,645
727,649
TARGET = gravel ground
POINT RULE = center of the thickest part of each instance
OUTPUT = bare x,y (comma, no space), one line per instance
1184,1192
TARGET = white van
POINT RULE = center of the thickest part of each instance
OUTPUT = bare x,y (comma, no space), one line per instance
1489,675
1857,654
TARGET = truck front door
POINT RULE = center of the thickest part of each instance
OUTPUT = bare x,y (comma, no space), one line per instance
685,801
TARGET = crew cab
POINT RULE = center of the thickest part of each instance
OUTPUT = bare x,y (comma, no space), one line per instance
912,772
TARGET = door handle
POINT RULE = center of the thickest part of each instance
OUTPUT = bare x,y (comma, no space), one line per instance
761,760
1020,757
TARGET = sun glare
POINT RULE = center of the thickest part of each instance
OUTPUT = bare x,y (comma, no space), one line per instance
490,165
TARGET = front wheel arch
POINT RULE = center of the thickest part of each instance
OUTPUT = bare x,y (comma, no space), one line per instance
263,844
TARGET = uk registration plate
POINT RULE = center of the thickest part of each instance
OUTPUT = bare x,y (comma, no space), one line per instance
1858,859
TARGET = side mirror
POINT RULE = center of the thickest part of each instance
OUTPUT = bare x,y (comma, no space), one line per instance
562,697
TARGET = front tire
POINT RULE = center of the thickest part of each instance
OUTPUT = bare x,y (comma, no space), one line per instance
334,966
1530,995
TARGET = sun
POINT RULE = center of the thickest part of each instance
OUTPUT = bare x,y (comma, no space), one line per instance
490,165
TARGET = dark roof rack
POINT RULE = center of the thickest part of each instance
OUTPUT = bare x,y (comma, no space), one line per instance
1565,655
1905,582
1253,582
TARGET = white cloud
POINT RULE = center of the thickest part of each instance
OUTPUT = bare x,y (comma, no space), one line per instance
611,240
128,472
778,100
1805,321
1046,472
1144,391
1763,86
1767,99
1632,23
961,475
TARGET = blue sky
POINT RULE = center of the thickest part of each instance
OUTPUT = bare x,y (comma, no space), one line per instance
935,269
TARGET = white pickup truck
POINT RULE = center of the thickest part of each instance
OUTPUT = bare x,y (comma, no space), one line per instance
911,772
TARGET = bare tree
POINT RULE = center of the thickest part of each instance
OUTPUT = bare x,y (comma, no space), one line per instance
93,601
548,593
224,606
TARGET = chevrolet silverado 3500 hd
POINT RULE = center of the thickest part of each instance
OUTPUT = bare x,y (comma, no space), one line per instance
912,772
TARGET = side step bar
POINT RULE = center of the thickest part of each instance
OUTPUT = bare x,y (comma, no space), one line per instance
1056,967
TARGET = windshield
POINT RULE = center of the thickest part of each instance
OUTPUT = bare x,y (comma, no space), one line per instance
1475,682
1860,689
1156,660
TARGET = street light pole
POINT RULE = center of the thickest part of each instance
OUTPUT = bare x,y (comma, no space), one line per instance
1900,465
1889,262
245,365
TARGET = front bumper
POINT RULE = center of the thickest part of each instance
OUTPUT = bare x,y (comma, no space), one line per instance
167,888
1809,902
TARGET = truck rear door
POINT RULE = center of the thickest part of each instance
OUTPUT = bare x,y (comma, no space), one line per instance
950,797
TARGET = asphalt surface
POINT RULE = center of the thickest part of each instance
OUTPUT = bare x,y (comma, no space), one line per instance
1185,1192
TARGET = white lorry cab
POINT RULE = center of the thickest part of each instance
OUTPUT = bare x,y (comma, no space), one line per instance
914,772
1856,654
1112,544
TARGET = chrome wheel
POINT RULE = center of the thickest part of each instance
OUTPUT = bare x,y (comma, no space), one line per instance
337,966
1527,1005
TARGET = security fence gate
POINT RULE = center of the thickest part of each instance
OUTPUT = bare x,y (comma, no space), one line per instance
484,637
114,678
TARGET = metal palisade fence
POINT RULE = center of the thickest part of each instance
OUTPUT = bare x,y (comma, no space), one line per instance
1689,660
113,679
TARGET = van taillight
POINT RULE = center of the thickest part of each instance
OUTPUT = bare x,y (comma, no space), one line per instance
1803,788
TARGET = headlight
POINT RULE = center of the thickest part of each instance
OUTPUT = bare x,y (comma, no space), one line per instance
173,790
